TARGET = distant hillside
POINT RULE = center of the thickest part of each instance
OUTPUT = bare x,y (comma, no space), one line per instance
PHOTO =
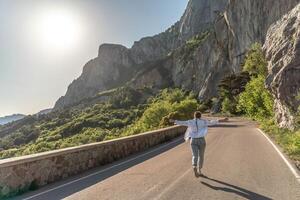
126,111
11,118
45,111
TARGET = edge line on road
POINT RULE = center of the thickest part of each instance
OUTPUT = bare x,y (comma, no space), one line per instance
104,170
292,169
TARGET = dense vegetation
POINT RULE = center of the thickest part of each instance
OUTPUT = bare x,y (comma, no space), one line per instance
250,97
229,89
126,112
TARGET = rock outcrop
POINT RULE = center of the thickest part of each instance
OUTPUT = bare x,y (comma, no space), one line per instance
282,49
207,44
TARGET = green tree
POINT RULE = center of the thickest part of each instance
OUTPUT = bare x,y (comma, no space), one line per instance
229,106
255,62
256,101
229,89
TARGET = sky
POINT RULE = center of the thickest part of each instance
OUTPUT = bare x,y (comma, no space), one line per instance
44,44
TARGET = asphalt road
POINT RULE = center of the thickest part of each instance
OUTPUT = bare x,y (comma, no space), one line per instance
240,163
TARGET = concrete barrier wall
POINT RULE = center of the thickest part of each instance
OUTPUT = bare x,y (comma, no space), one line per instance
29,172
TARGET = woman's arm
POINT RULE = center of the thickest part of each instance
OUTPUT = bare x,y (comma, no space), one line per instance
177,122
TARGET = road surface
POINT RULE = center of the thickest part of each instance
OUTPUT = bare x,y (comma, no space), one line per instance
240,163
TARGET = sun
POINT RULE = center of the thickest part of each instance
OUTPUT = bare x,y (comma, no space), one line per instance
58,30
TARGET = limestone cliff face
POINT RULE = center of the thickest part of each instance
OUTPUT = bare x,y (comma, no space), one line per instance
282,49
229,27
111,68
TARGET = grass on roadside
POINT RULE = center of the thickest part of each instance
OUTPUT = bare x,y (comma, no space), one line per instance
288,140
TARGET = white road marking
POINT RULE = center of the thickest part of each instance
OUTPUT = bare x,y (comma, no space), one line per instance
104,170
293,170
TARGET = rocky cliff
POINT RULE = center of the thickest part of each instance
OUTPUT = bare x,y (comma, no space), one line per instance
207,44
282,49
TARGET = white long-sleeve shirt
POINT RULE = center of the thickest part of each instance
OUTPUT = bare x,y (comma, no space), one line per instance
196,128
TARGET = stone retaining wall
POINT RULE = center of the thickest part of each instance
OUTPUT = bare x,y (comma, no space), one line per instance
29,172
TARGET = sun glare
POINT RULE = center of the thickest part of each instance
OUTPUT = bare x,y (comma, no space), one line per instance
58,30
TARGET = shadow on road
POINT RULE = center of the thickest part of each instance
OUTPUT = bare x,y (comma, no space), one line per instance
227,125
75,184
234,189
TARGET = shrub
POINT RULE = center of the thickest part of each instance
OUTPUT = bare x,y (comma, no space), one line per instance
168,104
256,101
255,62
116,123
287,139
9,153
180,111
202,108
228,106
186,108
124,97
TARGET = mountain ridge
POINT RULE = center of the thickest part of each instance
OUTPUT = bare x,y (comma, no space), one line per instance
214,58
10,118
